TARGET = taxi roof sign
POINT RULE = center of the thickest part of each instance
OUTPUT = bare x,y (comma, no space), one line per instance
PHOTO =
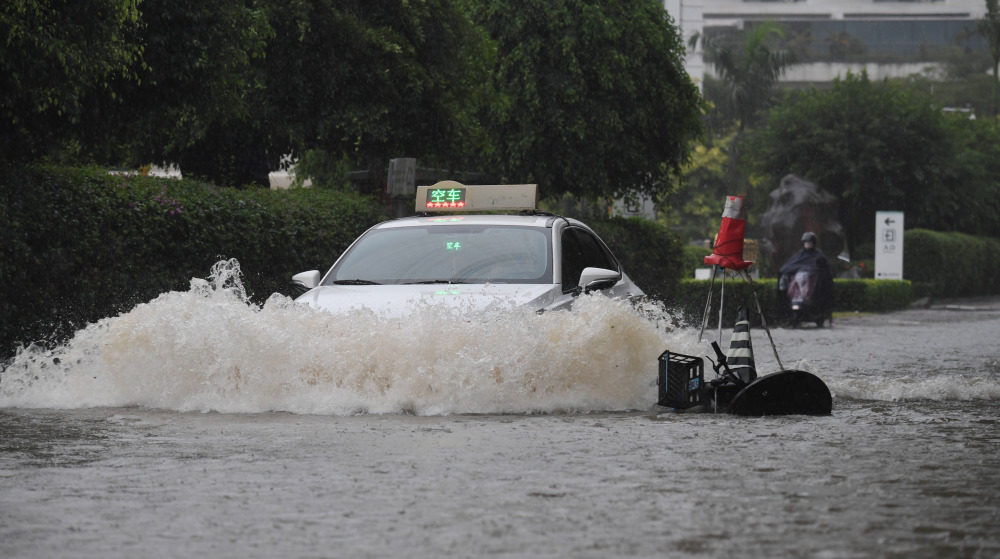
451,196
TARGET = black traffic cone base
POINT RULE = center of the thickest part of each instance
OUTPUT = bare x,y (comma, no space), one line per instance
788,392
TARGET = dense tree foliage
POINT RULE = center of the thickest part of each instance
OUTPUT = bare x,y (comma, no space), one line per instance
878,146
197,101
578,95
233,86
970,201
595,97
989,27
52,54
749,63
225,89
693,209
373,79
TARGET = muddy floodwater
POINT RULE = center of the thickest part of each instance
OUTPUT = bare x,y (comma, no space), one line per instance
203,425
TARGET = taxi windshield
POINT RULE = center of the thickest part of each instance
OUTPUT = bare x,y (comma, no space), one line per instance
447,254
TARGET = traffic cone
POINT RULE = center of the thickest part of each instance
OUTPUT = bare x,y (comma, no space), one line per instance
728,249
740,357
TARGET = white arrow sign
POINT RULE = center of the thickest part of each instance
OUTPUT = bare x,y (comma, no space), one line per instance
889,245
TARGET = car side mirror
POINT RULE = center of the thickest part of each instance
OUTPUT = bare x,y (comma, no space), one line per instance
308,279
598,278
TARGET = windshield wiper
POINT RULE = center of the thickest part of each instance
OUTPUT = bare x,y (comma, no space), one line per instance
355,282
433,281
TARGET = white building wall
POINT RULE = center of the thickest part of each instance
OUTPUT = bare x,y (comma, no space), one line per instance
827,71
693,16
687,15
733,12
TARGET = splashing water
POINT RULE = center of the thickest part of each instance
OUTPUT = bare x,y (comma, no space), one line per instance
209,348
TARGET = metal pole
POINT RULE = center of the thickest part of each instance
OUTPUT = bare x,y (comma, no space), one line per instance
722,300
763,320
708,306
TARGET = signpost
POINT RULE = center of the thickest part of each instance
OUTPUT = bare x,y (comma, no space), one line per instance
889,245
402,180
401,184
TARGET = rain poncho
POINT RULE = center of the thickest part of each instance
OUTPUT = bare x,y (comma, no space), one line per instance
805,279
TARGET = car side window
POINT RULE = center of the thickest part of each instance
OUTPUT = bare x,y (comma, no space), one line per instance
580,249
572,260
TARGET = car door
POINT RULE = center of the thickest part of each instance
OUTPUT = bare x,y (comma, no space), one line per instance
582,250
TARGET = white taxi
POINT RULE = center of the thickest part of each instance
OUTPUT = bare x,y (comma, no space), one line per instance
468,261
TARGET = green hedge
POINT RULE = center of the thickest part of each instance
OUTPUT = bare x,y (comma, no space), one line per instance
863,295
694,258
649,252
78,245
692,294
951,264
935,264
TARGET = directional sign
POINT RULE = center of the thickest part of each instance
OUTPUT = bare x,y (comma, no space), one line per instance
889,245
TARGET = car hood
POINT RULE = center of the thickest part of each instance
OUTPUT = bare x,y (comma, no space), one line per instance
401,300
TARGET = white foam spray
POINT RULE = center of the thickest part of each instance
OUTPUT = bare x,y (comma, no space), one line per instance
209,349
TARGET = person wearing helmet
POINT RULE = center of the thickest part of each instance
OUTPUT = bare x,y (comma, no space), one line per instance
805,285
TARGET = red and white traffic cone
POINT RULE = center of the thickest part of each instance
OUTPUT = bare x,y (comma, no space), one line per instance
728,249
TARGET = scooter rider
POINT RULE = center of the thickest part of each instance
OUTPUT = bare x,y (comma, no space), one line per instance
820,300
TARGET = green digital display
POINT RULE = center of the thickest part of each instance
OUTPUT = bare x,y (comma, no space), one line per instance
453,245
445,198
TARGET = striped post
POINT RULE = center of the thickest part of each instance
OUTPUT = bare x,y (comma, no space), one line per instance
740,356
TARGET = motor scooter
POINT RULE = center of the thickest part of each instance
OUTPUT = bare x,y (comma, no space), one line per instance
807,299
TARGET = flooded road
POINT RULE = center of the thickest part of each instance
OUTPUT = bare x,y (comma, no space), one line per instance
193,426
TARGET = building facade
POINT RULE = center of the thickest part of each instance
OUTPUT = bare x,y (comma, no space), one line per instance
887,38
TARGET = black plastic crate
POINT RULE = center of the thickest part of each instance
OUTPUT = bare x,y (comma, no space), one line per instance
680,380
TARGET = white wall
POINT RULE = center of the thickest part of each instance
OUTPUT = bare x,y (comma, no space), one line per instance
694,15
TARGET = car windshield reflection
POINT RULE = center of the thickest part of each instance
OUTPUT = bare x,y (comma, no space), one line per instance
447,254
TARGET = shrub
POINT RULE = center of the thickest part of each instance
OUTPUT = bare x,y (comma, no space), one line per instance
79,244
650,253
870,295
951,264
694,258
693,294
861,295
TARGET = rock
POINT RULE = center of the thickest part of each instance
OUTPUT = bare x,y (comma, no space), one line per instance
795,207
